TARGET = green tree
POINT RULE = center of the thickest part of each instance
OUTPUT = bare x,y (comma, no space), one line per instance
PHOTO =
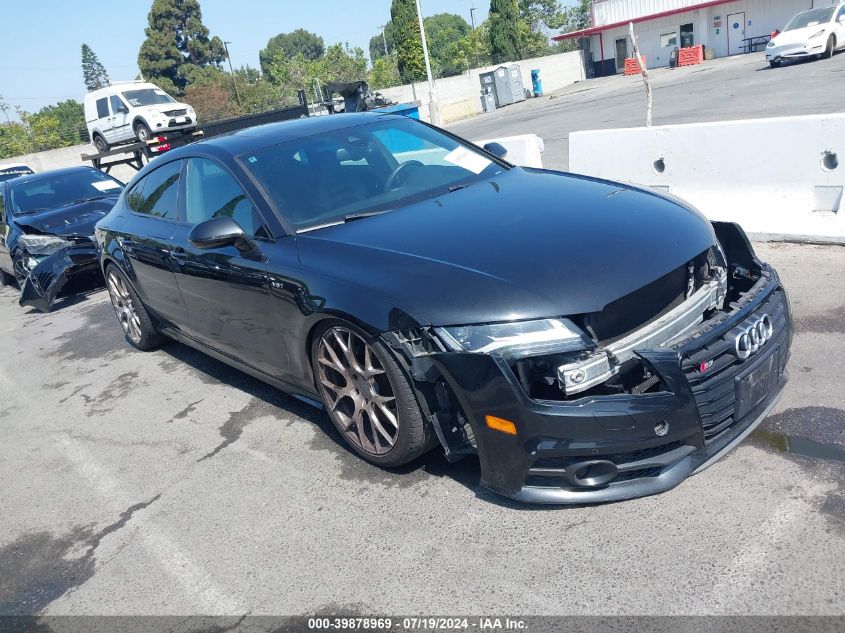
309,44
71,120
536,17
385,73
340,63
177,42
93,72
444,32
409,52
504,30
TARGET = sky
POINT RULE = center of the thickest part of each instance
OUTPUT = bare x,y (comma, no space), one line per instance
40,46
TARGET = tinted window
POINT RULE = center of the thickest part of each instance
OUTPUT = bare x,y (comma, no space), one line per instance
116,104
212,192
157,194
102,108
58,189
319,179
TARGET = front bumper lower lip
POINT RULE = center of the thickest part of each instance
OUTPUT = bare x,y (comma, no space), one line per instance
679,469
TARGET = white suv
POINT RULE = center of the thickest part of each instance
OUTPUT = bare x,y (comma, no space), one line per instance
133,110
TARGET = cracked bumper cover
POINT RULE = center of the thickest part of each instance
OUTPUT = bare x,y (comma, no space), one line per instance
531,466
49,275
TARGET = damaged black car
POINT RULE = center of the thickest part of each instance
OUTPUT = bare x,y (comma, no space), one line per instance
47,229
589,341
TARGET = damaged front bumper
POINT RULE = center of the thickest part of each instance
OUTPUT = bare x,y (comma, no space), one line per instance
48,275
600,448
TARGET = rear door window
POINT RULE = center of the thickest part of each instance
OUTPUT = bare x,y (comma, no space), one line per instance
157,195
102,108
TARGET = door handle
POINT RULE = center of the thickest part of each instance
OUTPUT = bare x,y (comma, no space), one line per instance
179,255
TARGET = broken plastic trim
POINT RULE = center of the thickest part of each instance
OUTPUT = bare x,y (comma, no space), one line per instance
45,281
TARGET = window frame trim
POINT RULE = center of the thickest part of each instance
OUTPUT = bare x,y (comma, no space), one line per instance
141,180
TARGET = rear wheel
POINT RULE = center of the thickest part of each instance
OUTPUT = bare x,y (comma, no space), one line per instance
368,397
130,312
831,46
100,143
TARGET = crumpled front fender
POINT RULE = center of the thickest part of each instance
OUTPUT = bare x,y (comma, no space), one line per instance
50,275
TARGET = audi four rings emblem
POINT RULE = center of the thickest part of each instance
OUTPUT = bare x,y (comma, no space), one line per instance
753,337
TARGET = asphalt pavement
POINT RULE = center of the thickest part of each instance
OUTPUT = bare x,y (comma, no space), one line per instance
166,482
740,87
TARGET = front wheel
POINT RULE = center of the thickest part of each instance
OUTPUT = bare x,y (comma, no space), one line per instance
142,131
6,279
368,397
831,46
131,313
774,63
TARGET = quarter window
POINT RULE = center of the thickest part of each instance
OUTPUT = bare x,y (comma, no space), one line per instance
157,193
102,108
212,192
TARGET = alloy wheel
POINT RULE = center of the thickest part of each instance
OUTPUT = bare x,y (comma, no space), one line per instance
124,307
357,391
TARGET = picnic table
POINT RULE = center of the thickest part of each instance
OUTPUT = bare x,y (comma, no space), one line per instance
751,43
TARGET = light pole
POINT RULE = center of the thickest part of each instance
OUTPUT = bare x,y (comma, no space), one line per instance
232,71
433,110
384,39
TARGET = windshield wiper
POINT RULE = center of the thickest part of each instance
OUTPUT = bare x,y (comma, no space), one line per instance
88,199
367,214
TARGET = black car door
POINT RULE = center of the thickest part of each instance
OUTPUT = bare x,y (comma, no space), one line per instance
226,292
153,213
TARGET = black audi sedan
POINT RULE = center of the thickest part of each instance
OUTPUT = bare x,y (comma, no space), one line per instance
590,341
47,229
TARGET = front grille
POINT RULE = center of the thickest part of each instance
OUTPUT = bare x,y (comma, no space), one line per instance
620,459
182,112
714,389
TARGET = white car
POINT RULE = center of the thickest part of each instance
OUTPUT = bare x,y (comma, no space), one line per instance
132,110
815,33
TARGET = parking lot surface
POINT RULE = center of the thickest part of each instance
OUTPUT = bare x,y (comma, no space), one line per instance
166,482
740,87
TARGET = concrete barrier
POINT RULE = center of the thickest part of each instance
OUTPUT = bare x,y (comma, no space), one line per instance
779,178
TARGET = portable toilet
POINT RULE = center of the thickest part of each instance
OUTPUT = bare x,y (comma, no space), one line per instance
508,82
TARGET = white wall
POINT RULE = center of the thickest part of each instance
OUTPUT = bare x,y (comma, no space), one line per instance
766,174
556,71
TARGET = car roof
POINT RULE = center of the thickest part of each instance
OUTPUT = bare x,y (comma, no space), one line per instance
261,136
44,175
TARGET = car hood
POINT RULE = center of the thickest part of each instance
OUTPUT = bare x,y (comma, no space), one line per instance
74,219
799,36
164,107
524,244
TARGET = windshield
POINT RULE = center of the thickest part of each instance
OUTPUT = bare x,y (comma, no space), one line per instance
147,96
810,18
327,178
52,191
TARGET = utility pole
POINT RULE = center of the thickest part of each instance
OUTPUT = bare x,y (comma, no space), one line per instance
433,109
384,39
232,71
472,11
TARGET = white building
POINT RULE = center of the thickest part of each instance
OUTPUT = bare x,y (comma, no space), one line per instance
661,25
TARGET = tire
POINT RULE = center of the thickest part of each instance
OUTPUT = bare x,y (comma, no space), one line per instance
100,143
387,391
6,279
831,46
138,326
774,63
142,131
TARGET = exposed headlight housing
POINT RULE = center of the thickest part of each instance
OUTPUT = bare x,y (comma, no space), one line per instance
42,244
516,339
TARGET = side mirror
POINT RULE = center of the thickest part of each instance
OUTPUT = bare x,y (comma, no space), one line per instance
124,109
497,149
220,232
